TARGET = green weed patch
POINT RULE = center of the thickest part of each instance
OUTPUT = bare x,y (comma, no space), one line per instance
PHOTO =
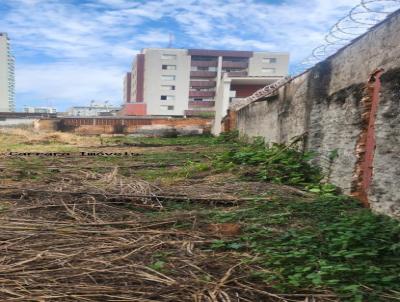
330,242
276,163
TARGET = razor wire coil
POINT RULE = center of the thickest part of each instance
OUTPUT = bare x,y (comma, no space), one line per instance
358,21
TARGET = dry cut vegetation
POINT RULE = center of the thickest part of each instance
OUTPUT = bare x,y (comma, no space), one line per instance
170,223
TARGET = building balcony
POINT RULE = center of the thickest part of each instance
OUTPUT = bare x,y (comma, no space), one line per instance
201,94
203,84
201,113
203,74
231,64
200,104
212,63
237,74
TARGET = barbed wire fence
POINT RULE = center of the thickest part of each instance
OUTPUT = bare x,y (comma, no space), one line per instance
358,21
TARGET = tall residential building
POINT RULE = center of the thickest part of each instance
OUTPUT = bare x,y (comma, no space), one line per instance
184,81
7,79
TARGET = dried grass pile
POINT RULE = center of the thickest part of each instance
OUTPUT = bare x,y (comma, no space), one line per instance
31,137
81,249
62,246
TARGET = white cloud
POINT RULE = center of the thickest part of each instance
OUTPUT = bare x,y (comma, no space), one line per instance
76,52
153,38
235,43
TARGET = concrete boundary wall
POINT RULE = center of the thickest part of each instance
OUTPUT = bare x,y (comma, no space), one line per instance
17,122
347,107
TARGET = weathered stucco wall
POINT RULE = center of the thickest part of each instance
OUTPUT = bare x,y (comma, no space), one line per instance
384,194
325,104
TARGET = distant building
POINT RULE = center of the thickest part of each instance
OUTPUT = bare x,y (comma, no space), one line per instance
40,110
93,110
184,81
127,87
7,77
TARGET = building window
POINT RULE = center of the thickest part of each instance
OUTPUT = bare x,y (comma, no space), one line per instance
168,77
268,70
168,87
167,108
269,60
201,89
233,69
168,57
167,98
202,68
168,67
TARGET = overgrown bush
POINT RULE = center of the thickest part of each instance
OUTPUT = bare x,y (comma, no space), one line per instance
277,163
228,137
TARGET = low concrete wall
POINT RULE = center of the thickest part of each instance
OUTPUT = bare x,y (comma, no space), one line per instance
17,122
331,105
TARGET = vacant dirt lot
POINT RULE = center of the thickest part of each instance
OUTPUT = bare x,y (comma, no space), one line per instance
128,219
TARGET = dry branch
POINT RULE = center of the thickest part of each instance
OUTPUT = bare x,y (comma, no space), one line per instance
24,193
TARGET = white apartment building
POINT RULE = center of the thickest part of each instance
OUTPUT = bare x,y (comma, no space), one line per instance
183,82
93,110
7,78
40,110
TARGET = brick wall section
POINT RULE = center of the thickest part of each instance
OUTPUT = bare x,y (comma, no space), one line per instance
326,104
131,109
129,125
229,122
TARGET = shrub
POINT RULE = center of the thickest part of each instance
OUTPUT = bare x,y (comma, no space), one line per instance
277,163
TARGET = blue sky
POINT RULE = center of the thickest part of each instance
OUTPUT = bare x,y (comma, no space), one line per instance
69,52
